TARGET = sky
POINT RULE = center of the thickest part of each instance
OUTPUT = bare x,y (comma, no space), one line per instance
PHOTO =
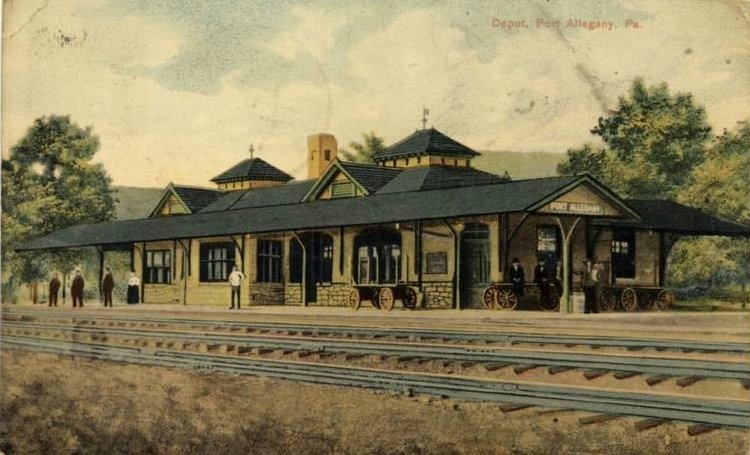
178,90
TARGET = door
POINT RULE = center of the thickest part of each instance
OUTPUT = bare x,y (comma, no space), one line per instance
475,264
623,254
318,257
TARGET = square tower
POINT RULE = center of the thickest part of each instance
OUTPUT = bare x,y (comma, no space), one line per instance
321,150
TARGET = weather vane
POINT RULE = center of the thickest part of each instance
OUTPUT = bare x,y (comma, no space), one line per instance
425,113
252,150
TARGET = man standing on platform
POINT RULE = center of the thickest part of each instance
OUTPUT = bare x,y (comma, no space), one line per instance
108,285
235,281
541,278
54,288
76,289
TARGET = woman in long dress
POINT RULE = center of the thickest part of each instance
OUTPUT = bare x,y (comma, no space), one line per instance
134,284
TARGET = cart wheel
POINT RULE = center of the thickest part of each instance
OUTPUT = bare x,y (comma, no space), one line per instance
354,300
409,299
606,302
374,296
488,297
629,300
385,299
506,299
665,300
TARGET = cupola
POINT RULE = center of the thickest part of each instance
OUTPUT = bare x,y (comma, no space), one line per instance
426,147
251,173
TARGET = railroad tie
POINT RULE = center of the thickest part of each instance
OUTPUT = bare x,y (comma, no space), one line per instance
353,356
287,351
634,348
645,424
593,374
694,430
598,418
514,407
687,381
656,379
620,375
523,368
326,354
467,364
493,366
558,369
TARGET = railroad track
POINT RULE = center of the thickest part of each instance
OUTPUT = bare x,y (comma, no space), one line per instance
415,334
703,414
685,371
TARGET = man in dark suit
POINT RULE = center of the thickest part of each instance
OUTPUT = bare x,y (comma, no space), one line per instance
76,289
542,279
54,289
108,284
517,277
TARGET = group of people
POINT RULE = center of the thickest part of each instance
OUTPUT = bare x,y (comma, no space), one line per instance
543,277
78,285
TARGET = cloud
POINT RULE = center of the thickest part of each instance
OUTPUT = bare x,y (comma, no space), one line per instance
313,35
487,88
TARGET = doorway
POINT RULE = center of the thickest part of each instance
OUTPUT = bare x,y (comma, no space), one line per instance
318,262
475,264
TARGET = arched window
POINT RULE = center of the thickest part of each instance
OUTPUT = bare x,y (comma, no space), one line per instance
475,231
319,250
377,256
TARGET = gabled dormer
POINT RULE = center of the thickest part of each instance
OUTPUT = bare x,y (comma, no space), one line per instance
251,173
341,180
426,147
183,200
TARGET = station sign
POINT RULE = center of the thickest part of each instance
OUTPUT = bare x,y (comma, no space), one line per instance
576,208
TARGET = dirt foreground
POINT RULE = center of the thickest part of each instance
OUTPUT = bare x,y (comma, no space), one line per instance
64,405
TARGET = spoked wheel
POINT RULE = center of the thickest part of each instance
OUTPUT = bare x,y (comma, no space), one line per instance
354,299
606,302
629,299
409,299
506,299
386,299
488,297
665,300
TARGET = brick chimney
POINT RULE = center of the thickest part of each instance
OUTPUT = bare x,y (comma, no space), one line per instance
321,150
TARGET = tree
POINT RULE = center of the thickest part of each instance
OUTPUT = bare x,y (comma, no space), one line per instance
719,186
50,183
364,151
652,142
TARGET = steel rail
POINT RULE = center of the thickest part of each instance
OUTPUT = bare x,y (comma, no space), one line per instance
374,331
725,413
643,365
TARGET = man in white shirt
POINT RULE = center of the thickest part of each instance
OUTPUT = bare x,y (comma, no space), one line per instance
235,280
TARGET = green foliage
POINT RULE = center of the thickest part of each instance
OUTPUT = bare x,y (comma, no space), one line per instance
362,152
652,142
719,186
50,183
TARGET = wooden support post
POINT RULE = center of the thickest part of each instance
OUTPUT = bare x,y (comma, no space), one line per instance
303,278
100,252
143,273
567,237
456,265
342,256
418,252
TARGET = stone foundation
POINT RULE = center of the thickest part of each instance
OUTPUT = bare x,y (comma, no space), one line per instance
333,295
437,295
266,294
293,294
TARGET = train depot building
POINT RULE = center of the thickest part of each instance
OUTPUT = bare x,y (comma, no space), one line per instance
420,228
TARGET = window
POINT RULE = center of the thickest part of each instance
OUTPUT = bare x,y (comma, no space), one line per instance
342,189
547,243
406,162
437,262
455,162
269,261
378,258
419,160
217,260
442,160
158,267
327,154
